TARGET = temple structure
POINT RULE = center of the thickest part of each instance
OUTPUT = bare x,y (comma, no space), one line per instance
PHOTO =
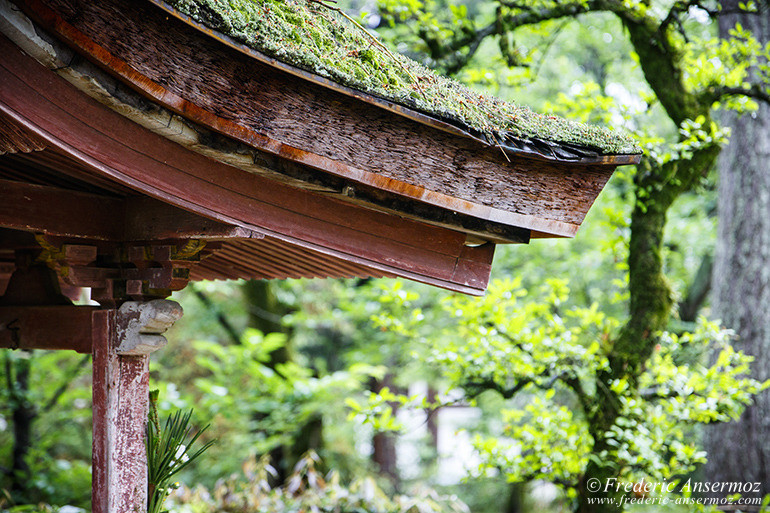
142,147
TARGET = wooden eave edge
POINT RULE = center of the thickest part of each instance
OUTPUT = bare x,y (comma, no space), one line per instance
106,169
470,271
77,40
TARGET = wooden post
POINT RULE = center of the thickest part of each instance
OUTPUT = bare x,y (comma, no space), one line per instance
122,342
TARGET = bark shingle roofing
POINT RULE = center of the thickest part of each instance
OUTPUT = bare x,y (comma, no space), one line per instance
313,37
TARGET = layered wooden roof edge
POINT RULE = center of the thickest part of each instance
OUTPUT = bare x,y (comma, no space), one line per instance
267,229
311,36
490,194
373,167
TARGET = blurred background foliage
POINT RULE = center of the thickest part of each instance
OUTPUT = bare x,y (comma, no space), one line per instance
301,377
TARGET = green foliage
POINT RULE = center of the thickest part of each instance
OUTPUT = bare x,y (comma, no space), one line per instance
680,73
169,451
305,490
270,402
58,398
256,407
545,357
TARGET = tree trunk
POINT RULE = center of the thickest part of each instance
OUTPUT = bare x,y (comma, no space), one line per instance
384,444
739,451
23,416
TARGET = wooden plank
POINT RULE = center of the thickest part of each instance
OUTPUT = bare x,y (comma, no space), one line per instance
474,262
147,219
55,211
218,191
46,327
13,139
247,100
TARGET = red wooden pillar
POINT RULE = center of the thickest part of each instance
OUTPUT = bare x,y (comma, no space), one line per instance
122,342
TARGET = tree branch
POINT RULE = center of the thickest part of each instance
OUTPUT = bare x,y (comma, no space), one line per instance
577,387
65,385
698,291
223,321
473,44
515,343
482,385
755,91
654,393
530,15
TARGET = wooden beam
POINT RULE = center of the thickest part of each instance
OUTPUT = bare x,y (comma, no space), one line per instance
39,208
46,327
147,219
67,213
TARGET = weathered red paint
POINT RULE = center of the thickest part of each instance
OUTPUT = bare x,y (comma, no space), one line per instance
120,406
46,327
114,64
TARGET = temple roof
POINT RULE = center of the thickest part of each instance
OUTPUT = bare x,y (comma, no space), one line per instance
314,36
131,132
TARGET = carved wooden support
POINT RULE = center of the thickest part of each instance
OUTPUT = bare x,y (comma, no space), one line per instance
141,325
127,271
122,341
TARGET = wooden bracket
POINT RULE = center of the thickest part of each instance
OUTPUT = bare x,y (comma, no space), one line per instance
119,272
140,326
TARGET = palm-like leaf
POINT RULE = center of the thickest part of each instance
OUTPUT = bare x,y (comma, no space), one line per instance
167,452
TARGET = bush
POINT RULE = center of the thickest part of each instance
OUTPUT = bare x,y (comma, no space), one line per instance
305,490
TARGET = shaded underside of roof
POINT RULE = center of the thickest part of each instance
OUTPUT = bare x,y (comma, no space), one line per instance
310,36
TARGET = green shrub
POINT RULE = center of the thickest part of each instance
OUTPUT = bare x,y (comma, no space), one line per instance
305,490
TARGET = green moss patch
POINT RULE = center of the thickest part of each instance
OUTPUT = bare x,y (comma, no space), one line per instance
307,35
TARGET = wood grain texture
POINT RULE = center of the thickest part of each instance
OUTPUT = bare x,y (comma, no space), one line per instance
278,112
43,209
120,406
110,146
14,140
46,327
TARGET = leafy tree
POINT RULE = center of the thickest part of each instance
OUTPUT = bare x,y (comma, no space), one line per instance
45,419
739,285
546,358
687,73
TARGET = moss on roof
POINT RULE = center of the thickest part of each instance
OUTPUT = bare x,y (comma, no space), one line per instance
307,35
